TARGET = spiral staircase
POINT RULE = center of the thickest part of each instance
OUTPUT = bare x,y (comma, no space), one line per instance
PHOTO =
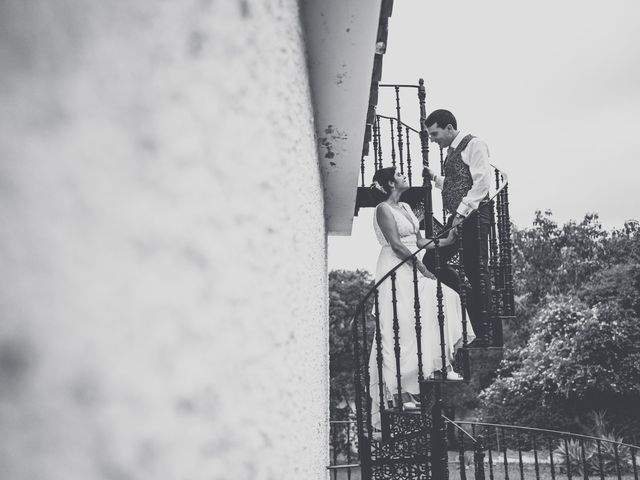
411,442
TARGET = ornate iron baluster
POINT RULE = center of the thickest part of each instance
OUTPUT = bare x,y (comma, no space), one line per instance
444,210
494,263
478,458
617,457
490,454
439,296
495,258
334,443
502,245
439,454
379,358
504,455
379,143
408,157
393,144
494,268
348,450
463,469
424,144
551,465
396,338
364,446
508,283
484,313
399,127
374,137
462,288
567,458
600,465
416,309
520,464
362,171
536,464
583,459
367,378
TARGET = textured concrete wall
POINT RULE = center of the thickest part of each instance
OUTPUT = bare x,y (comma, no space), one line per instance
163,282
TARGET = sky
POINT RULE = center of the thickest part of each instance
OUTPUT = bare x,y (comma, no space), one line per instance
553,87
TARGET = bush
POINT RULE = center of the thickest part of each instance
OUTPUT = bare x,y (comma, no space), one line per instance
577,360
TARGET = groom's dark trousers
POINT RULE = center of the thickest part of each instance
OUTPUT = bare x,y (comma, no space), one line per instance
475,244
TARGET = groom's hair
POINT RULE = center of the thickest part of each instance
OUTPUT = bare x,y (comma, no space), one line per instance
441,118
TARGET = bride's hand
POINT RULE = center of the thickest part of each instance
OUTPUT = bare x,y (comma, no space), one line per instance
423,270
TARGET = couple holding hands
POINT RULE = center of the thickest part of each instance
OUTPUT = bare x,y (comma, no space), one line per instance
465,192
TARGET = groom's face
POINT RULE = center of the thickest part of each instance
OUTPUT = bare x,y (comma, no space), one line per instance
441,136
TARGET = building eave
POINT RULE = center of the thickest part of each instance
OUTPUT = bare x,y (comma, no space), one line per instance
345,41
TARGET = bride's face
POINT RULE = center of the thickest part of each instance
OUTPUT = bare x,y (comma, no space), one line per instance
400,181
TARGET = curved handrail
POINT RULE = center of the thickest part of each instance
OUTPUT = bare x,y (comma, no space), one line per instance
442,234
543,430
455,424
400,121
393,85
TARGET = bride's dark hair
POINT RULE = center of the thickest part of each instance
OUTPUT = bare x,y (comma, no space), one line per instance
380,186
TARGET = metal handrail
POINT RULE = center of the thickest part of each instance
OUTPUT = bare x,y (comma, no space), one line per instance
400,121
448,420
543,430
345,465
393,85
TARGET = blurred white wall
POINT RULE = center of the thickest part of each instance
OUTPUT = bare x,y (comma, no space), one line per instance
163,303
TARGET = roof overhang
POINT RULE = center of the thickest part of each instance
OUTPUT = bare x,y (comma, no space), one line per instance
342,38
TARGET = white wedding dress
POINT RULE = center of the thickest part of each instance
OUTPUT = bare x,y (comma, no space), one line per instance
430,341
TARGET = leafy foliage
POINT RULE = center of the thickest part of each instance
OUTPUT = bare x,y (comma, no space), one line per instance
575,346
595,458
346,289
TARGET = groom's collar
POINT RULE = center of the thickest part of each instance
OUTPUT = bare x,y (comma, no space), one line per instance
457,140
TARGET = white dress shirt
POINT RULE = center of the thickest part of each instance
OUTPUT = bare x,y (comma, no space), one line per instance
476,156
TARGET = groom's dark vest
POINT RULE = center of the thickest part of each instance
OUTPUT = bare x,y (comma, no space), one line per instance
457,177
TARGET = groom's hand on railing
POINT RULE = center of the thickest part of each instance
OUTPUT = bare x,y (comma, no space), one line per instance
428,173
450,238
457,220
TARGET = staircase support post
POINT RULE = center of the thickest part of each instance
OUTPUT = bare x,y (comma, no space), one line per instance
424,143
439,455
478,458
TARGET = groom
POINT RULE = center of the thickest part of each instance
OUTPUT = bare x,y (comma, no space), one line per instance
465,194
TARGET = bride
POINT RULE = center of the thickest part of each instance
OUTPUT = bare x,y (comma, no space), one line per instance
397,230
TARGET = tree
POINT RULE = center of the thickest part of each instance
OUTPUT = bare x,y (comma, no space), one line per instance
577,360
346,289
548,261
575,344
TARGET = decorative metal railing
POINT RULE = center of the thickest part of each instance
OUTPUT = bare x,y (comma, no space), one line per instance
482,451
344,449
514,452
410,442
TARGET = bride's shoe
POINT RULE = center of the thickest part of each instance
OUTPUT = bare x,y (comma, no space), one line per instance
454,376
451,375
